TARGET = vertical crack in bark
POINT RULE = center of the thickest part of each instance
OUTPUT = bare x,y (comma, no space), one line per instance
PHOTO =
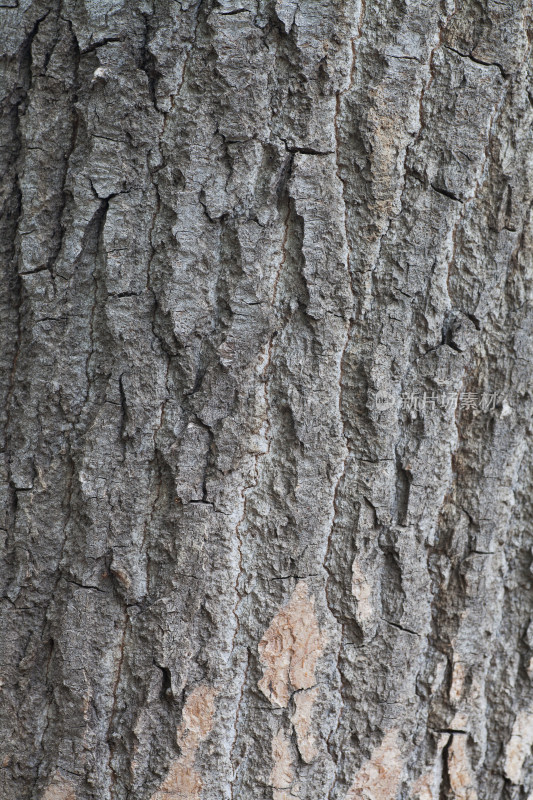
26,78
17,303
237,715
246,490
262,375
348,337
283,250
92,246
54,255
110,734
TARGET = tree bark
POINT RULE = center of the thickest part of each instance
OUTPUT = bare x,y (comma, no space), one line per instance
266,332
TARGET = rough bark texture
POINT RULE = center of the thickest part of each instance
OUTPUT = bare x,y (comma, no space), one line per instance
239,561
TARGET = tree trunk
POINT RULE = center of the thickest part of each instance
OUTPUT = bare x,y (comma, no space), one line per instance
267,464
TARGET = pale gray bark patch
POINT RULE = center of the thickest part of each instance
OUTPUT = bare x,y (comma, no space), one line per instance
266,335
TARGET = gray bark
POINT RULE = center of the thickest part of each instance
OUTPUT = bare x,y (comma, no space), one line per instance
266,332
